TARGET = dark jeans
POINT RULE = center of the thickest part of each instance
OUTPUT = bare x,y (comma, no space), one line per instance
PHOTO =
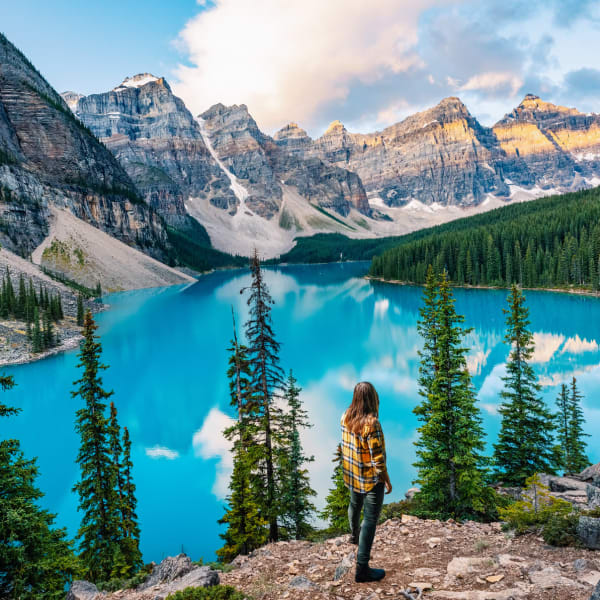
372,502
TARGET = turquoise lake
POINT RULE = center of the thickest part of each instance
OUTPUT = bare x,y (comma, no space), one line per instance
167,354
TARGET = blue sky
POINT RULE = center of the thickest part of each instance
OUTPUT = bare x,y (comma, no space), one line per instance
368,64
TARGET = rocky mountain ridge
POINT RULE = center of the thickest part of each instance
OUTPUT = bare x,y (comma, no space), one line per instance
247,187
49,159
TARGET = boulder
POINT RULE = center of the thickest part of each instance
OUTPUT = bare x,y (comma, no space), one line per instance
344,566
461,566
169,569
550,577
591,474
302,583
197,577
593,496
410,493
588,531
84,590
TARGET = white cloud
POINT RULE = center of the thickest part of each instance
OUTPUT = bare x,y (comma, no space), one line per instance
494,81
285,60
209,442
162,452
577,345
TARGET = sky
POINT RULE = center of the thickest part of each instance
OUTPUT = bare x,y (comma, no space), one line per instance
368,64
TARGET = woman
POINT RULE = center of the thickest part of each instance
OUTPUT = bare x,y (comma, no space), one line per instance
365,473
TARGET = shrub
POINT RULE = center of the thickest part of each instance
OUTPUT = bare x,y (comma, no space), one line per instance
561,530
395,510
123,583
215,592
540,511
215,565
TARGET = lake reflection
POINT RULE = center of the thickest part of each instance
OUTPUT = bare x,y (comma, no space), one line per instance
167,354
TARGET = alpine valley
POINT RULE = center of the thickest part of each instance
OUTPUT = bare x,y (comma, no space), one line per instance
193,191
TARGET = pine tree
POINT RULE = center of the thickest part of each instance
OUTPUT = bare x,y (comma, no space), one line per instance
427,327
296,506
267,380
36,560
246,529
80,310
563,448
100,530
451,468
525,443
578,459
337,500
130,545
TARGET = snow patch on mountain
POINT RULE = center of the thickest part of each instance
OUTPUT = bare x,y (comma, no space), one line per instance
136,81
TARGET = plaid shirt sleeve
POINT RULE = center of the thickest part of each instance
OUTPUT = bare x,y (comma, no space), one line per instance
376,443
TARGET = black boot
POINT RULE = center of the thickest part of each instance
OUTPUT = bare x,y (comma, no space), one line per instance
364,574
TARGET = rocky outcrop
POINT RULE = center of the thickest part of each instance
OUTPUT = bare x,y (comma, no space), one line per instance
49,158
588,532
173,574
158,142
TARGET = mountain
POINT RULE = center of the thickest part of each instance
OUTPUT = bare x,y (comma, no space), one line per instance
549,146
243,186
442,156
48,158
247,188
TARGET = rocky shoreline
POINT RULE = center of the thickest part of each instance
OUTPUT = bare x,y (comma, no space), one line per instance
575,291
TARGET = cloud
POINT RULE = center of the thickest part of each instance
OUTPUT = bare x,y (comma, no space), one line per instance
494,82
476,361
162,452
209,442
288,59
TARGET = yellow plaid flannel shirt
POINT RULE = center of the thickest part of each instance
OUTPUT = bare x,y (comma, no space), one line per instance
363,456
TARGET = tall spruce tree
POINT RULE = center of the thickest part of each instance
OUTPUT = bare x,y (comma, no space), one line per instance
36,560
130,544
266,383
337,500
450,463
578,459
525,443
563,416
246,530
100,531
296,493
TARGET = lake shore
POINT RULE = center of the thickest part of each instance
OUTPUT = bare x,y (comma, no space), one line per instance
573,291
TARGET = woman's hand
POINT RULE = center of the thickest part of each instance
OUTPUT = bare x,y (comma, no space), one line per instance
388,484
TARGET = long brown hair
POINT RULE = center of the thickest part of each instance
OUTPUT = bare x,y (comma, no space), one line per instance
364,407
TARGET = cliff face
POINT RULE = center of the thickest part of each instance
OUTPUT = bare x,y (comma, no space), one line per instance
47,157
549,146
440,155
262,163
159,144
